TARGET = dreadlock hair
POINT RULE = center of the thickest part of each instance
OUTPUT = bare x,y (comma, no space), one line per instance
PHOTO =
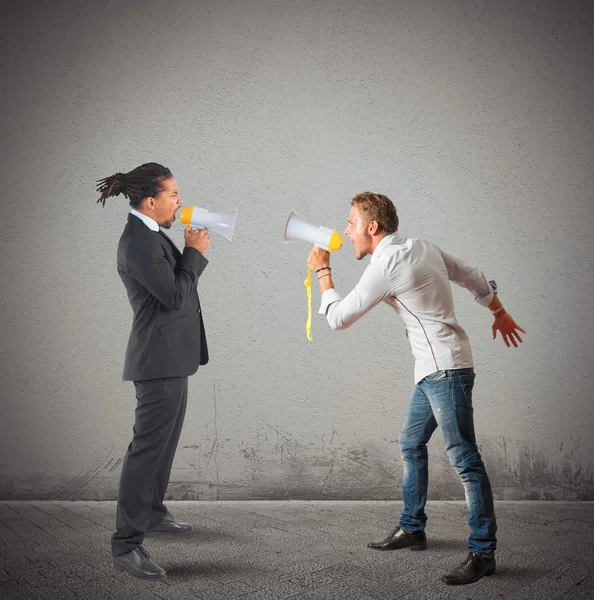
138,184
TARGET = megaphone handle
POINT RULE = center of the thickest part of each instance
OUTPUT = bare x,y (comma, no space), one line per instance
307,284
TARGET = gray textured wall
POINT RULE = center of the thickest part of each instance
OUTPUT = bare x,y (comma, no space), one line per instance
476,117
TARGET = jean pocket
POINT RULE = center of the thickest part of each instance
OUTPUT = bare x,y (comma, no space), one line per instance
437,376
466,387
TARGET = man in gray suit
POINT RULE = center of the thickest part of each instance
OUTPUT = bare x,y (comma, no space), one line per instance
167,344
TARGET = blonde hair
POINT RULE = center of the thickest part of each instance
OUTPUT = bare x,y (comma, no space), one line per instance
378,208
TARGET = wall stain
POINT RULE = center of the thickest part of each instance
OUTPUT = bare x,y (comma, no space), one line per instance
215,445
332,463
250,454
531,473
116,463
73,487
290,466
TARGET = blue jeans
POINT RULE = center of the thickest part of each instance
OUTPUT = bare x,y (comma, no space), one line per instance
444,399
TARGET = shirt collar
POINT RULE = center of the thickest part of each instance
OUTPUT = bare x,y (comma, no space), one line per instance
386,240
150,223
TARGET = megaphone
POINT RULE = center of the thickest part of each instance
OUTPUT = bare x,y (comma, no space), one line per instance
201,218
297,230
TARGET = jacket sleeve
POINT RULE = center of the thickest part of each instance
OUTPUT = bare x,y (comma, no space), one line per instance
149,265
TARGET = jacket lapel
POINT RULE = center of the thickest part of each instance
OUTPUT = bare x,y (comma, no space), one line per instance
170,248
171,251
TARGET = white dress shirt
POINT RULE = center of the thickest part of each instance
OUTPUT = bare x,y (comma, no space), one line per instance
150,223
413,277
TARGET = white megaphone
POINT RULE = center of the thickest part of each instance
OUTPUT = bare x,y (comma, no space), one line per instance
297,230
201,218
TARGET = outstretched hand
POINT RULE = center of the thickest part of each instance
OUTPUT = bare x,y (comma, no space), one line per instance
508,328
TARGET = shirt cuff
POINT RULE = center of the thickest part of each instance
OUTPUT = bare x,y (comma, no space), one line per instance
486,300
328,297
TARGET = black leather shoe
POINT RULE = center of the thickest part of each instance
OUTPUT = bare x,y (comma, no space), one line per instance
138,563
472,569
401,539
170,525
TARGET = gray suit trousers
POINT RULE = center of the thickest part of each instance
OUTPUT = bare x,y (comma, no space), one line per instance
160,412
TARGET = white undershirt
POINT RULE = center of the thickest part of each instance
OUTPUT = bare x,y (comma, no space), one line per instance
150,223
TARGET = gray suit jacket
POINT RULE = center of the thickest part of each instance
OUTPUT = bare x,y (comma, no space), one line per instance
167,337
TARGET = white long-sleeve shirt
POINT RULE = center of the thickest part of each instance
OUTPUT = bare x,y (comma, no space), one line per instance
413,277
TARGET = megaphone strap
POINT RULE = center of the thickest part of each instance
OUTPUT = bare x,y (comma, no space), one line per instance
307,284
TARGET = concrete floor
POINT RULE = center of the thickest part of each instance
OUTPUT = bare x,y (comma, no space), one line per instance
294,550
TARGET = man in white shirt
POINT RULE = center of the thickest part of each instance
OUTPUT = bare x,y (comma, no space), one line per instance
413,277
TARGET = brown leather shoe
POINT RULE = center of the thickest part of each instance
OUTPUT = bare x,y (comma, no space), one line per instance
472,569
138,563
170,525
401,539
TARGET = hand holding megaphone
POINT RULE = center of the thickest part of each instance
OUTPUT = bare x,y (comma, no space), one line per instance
317,259
201,218
297,230
198,239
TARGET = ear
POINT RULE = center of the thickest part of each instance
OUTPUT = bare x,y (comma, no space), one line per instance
372,228
149,202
